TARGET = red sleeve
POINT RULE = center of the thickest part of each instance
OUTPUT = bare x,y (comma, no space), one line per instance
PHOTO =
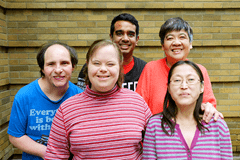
143,84
57,147
208,95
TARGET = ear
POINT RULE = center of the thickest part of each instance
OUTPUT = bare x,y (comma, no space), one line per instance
111,37
202,88
191,45
137,40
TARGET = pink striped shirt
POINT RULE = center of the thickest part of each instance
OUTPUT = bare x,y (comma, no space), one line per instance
95,125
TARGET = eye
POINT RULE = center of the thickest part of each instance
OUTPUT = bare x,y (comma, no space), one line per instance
110,64
65,62
169,38
118,33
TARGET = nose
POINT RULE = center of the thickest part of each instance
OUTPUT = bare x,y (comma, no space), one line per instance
125,38
176,42
58,69
103,68
184,85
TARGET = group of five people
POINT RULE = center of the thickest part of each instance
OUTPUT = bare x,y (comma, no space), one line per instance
108,120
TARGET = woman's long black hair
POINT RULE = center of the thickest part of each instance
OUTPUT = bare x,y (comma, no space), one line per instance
170,108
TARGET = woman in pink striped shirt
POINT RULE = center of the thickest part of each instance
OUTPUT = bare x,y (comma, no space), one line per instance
179,131
105,121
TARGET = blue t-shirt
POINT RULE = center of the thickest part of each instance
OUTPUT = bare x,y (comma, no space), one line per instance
33,112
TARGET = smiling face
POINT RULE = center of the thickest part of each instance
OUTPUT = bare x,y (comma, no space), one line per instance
124,36
176,46
57,66
187,92
103,69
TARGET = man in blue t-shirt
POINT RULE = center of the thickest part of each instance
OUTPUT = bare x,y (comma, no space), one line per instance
35,104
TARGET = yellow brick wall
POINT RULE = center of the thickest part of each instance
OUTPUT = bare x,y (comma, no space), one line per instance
27,24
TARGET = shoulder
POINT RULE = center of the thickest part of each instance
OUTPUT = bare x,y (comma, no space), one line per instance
220,123
155,120
203,69
75,88
153,64
140,61
29,89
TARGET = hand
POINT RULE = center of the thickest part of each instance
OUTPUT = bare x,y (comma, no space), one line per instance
209,111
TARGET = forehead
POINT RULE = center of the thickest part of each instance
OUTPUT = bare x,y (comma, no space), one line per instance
124,25
176,33
184,70
56,51
105,52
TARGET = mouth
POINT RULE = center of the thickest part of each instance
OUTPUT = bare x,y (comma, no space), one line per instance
184,94
125,46
176,50
59,77
102,77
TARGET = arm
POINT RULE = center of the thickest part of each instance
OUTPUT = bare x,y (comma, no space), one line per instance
143,83
209,100
149,150
225,141
26,144
58,144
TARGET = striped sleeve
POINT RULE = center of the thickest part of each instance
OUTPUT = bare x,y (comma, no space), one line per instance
57,147
149,151
225,141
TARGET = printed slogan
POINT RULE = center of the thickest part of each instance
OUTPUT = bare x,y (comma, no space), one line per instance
43,119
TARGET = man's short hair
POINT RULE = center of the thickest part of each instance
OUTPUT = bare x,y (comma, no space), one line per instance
124,17
43,49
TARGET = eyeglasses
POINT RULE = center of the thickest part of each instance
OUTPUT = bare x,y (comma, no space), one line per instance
179,81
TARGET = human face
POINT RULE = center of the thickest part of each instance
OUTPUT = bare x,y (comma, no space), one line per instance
124,36
57,66
185,94
103,69
176,46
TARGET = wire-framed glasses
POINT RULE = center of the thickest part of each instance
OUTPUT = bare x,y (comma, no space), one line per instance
179,81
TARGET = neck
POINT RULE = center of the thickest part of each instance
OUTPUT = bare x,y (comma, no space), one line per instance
127,60
185,113
52,92
171,61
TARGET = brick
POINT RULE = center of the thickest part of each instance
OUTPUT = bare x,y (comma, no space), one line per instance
36,5
215,4
17,18
87,37
77,5
115,5
229,66
47,24
57,18
16,5
67,24
173,5
230,42
67,37
91,24
47,37
97,17
27,37
29,74
229,78
19,68
193,5
235,60
57,5
153,18
37,18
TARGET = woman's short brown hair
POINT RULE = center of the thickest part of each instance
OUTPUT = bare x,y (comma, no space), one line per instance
93,48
